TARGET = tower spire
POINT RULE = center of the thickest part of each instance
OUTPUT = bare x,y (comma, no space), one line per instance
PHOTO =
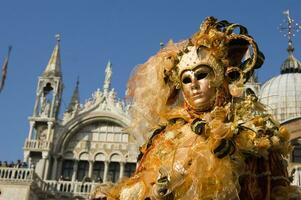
44,120
291,64
108,78
75,97
53,67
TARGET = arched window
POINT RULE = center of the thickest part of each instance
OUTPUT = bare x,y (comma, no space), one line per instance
113,172
296,157
82,170
67,169
98,171
129,169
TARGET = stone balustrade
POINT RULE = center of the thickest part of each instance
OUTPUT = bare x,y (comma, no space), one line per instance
62,187
16,174
70,187
36,144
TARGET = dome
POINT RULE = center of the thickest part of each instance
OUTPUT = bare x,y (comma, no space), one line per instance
282,95
291,64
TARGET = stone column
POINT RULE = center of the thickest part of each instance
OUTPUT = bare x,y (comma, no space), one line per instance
26,157
75,166
31,125
35,108
59,168
52,105
54,169
30,162
90,168
121,170
45,176
49,130
105,173
44,158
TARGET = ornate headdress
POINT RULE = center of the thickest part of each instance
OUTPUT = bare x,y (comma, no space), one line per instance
154,86
219,47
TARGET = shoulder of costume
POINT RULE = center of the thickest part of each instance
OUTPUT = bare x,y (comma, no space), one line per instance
257,131
173,118
146,145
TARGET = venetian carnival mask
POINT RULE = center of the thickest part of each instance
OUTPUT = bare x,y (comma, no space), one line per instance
213,59
197,89
198,78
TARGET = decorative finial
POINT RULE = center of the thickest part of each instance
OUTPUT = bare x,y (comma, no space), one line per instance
289,28
108,77
161,45
77,81
58,37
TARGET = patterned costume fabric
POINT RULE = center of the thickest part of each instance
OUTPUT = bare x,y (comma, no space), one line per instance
232,149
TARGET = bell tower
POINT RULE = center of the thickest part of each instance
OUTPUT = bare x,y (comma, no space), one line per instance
45,114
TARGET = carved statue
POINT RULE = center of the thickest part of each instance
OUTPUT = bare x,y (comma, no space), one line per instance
45,106
43,135
209,140
42,103
112,96
108,77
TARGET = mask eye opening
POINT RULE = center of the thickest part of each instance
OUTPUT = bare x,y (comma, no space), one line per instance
201,75
186,80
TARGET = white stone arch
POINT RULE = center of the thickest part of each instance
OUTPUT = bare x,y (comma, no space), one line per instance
74,126
100,156
116,156
84,155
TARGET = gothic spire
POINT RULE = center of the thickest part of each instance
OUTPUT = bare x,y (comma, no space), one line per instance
75,97
108,78
291,64
54,65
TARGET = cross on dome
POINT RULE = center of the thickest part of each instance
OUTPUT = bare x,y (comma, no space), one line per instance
291,64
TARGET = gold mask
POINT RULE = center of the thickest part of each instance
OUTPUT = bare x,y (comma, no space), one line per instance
217,46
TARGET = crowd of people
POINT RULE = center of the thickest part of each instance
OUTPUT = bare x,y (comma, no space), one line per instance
17,164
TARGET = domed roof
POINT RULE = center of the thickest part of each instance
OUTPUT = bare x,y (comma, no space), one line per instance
282,96
291,64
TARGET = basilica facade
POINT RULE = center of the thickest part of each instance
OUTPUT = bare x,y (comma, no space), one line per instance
67,157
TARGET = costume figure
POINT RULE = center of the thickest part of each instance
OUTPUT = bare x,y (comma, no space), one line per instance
209,140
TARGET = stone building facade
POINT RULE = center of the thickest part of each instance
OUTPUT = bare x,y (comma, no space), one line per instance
67,157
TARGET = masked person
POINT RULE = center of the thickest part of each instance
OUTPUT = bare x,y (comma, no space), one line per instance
209,140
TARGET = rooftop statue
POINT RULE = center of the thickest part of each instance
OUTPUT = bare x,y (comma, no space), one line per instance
209,140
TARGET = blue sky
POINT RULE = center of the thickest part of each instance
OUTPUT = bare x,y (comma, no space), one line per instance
125,32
